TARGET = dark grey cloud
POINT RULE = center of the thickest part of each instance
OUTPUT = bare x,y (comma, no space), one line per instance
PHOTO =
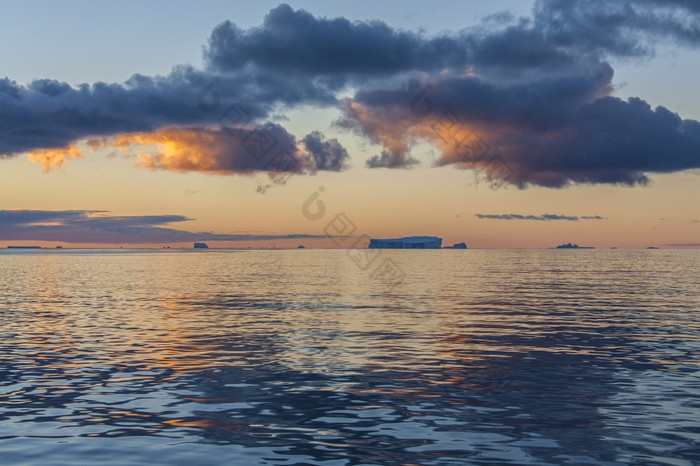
327,154
333,51
517,47
391,159
89,226
295,41
539,106
49,114
543,217
606,141
619,28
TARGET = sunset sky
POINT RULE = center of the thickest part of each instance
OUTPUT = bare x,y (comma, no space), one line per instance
500,123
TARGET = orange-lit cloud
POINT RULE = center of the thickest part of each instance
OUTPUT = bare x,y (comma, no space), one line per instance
242,150
552,131
397,130
54,158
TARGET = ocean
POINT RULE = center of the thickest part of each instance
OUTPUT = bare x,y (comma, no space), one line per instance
349,357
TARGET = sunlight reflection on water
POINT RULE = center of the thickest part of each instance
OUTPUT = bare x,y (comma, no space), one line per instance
282,357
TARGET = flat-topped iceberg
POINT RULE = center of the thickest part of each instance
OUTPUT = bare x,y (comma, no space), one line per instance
408,242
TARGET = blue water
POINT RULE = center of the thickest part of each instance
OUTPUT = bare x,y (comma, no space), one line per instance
329,357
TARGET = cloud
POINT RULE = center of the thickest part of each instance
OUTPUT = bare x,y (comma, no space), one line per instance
47,118
243,150
606,141
55,158
620,28
460,110
543,217
536,98
326,154
533,94
550,132
90,226
391,159
296,42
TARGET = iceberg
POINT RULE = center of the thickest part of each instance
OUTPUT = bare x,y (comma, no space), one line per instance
408,242
573,246
201,246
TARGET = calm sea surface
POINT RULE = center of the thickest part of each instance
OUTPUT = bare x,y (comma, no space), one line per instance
321,357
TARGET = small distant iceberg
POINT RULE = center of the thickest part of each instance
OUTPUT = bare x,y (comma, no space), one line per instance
573,246
201,246
456,246
652,247
408,242
24,247
301,246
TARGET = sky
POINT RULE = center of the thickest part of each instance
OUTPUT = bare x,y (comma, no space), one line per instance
498,124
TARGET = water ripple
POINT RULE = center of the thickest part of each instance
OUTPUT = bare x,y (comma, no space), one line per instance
300,357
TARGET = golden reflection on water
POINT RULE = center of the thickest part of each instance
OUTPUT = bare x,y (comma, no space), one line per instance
235,347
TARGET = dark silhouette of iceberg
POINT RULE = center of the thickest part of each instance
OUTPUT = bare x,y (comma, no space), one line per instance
457,246
201,246
573,246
